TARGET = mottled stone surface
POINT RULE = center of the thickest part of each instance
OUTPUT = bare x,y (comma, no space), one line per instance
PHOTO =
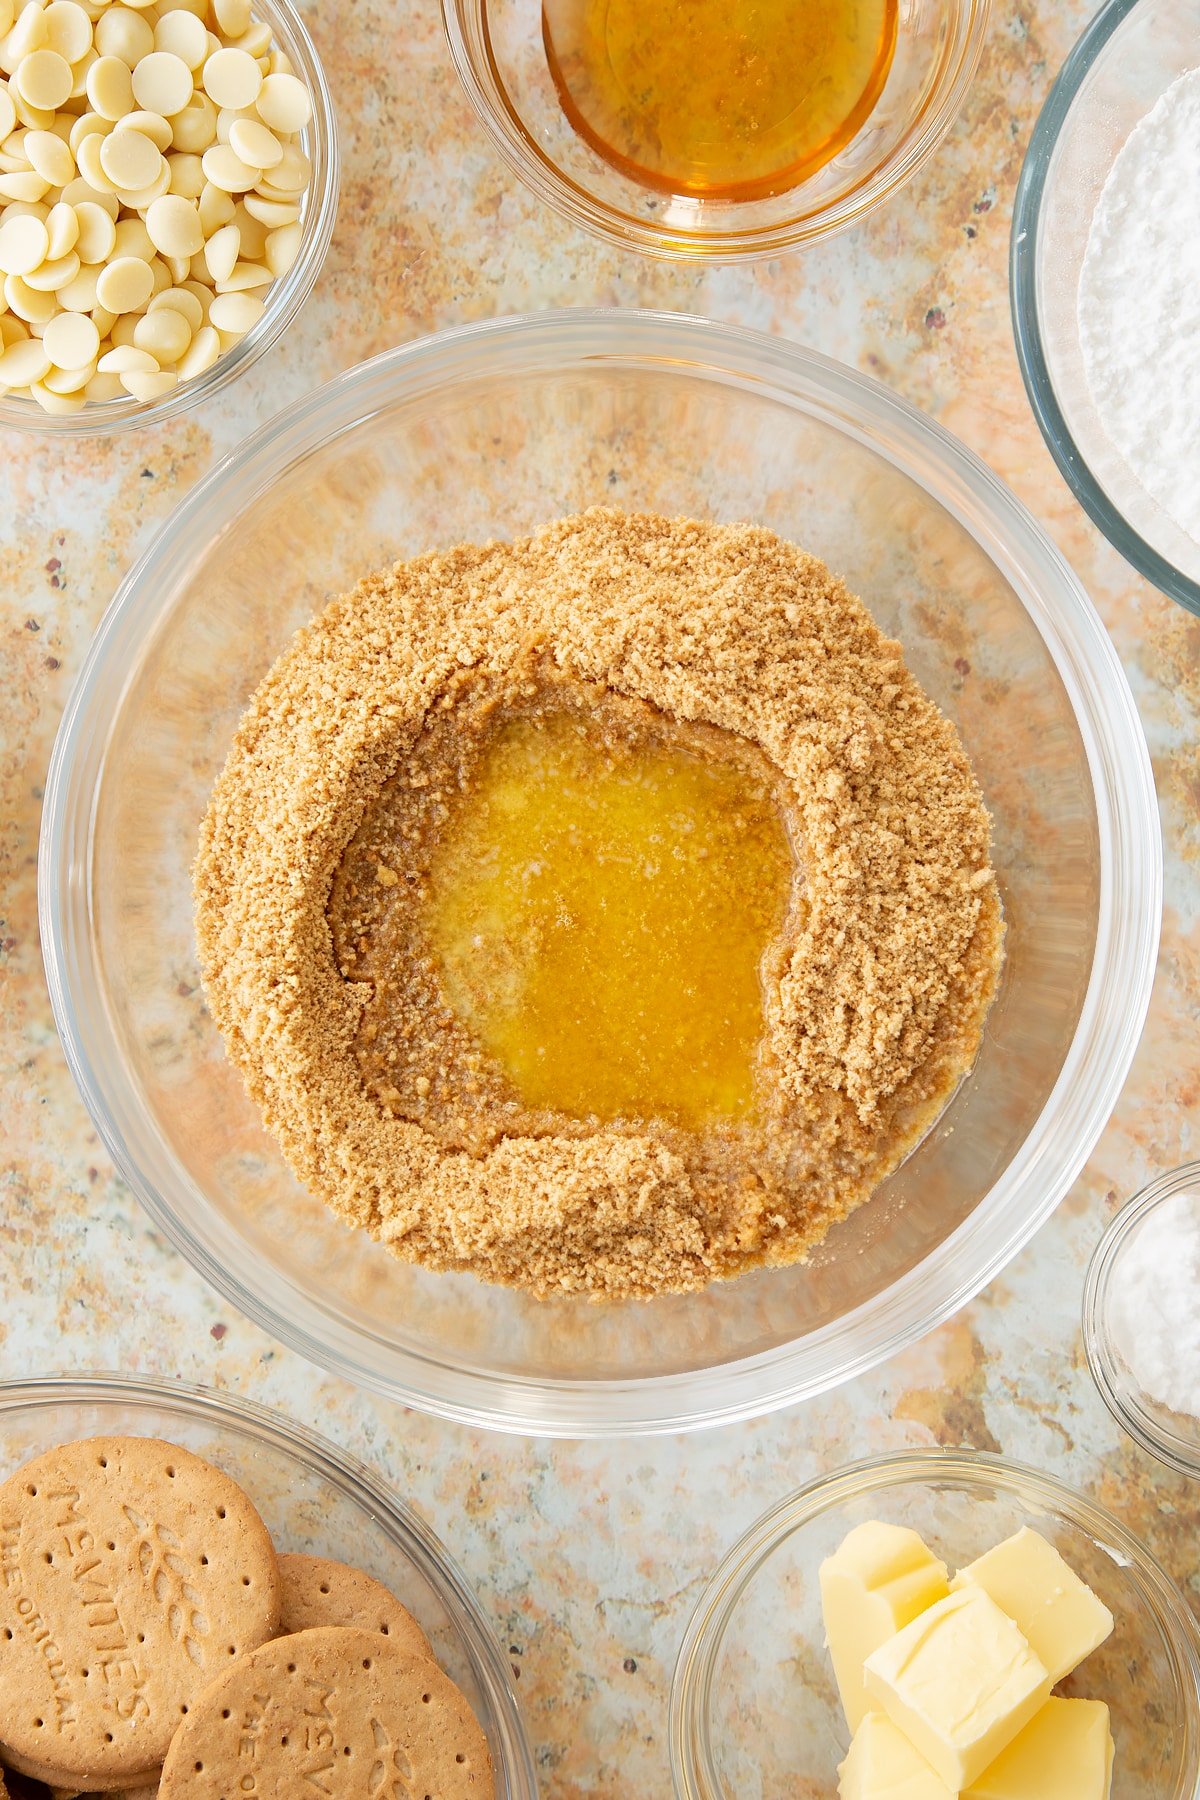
589,1558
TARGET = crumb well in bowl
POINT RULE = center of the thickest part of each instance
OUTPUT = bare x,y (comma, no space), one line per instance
755,1713
488,432
1131,53
312,1497
501,58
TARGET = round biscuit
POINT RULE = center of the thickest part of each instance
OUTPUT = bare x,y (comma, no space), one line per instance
131,1574
317,1592
336,1711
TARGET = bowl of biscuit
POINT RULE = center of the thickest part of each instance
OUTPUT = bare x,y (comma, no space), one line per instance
201,1598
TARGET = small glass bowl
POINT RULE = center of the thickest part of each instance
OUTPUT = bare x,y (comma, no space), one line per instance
1129,55
1171,1436
754,1708
498,50
313,1498
285,297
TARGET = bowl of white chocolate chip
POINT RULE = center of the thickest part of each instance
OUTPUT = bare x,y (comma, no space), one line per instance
938,1623
168,187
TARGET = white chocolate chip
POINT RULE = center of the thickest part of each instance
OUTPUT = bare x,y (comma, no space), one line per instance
97,233
283,247
245,275
69,381
216,208
79,295
271,213
163,83
202,353
221,252
125,285
257,147
124,359
183,34
103,387
110,88
180,300
232,16
166,334
123,33
24,362
68,30
62,229
235,312
151,125
71,341
187,175
132,239
227,170
51,402
283,103
129,159
195,128
174,226
149,386
232,78
43,79
24,244
54,275
25,185
50,157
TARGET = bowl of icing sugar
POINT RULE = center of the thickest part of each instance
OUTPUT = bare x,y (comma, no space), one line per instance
1106,283
1141,1318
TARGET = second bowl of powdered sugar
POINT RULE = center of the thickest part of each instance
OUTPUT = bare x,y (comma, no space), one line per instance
1141,1318
1106,282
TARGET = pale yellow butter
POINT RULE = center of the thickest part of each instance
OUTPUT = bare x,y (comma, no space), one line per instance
877,1581
1053,1609
882,1765
960,1682
1064,1753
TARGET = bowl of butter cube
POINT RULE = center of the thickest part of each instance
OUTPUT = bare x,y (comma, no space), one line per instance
932,1624
168,189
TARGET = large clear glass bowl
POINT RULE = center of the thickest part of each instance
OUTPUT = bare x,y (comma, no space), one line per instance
491,430
754,1709
501,59
313,1498
1129,55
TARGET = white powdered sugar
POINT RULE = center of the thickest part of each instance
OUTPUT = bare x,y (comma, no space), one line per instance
1139,303
1155,1314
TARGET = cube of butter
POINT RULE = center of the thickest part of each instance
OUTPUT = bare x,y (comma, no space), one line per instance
882,1765
960,1682
877,1580
1064,1753
1051,1607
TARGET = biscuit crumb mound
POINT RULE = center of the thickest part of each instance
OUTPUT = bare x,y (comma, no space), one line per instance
874,996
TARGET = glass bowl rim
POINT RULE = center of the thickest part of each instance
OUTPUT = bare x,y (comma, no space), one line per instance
1031,353
693,1766
573,201
1131,864
285,297
1117,1388
351,1476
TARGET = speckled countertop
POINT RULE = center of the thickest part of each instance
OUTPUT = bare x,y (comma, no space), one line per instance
589,1558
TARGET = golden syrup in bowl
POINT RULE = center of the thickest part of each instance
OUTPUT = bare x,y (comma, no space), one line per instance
719,99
